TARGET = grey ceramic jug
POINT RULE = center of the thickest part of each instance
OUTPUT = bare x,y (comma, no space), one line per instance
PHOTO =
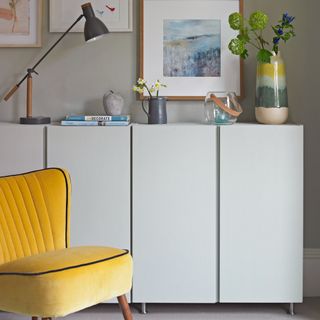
157,113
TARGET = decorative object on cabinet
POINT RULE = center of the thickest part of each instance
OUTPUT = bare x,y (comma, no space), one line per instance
222,108
186,43
271,92
83,117
94,29
43,278
83,120
271,88
157,112
94,123
113,103
20,23
116,14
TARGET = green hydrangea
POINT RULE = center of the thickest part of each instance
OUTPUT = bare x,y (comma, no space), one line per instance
258,20
250,32
236,46
235,21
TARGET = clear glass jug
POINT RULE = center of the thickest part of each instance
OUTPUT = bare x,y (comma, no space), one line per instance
222,108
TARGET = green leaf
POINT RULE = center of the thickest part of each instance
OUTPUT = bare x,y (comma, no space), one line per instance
286,36
244,54
244,38
264,56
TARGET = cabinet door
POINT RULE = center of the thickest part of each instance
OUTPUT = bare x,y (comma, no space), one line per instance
98,160
261,213
174,214
22,148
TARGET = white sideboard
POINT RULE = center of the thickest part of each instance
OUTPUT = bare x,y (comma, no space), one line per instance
211,214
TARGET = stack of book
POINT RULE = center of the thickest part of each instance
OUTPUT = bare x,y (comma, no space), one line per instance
96,120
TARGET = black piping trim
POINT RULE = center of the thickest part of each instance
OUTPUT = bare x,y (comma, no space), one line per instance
63,269
67,192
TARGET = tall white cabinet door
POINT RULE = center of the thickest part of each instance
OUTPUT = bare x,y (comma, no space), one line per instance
98,160
22,148
174,214
261,213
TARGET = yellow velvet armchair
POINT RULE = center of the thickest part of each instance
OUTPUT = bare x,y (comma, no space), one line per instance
40,276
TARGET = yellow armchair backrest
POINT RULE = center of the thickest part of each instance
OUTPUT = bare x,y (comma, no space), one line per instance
34,213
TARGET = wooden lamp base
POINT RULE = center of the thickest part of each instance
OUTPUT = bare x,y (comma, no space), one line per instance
29,119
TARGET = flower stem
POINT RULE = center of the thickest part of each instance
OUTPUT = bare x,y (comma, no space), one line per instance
258,40
254,45
148,90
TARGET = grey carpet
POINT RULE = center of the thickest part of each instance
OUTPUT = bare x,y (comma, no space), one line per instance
309,310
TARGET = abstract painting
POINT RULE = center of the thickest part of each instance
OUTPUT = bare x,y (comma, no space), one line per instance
184,44
192,48
15,17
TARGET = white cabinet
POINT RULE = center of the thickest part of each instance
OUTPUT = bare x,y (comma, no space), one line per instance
98,159
22,148
212,214
261,213
175,229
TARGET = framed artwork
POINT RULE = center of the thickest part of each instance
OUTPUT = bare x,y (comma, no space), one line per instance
117,15
184,44
20,23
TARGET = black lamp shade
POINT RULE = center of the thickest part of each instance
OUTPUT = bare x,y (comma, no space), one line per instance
93,28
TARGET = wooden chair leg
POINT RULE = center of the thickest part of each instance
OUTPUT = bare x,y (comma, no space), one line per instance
125,307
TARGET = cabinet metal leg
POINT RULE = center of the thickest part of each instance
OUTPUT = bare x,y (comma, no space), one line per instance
291,309
143,308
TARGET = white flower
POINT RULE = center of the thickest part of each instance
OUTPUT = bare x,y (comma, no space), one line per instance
152,89
138,89
141,82
157,85
141,87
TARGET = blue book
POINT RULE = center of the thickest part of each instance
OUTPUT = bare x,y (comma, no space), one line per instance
94,123
97,118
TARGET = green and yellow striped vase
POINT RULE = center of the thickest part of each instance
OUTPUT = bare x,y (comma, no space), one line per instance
271,92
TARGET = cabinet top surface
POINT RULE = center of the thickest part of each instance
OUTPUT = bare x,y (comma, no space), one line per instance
239,124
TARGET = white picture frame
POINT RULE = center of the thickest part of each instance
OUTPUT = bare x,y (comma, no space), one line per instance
154,17
29,34
116,14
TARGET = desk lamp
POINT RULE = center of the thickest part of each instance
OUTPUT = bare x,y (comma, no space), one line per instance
93,30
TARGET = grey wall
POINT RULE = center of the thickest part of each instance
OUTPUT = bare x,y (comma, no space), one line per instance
75,76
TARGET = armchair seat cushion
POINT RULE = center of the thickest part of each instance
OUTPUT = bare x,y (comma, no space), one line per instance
60,282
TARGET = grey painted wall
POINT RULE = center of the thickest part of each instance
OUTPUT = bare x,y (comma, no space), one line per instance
75,76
